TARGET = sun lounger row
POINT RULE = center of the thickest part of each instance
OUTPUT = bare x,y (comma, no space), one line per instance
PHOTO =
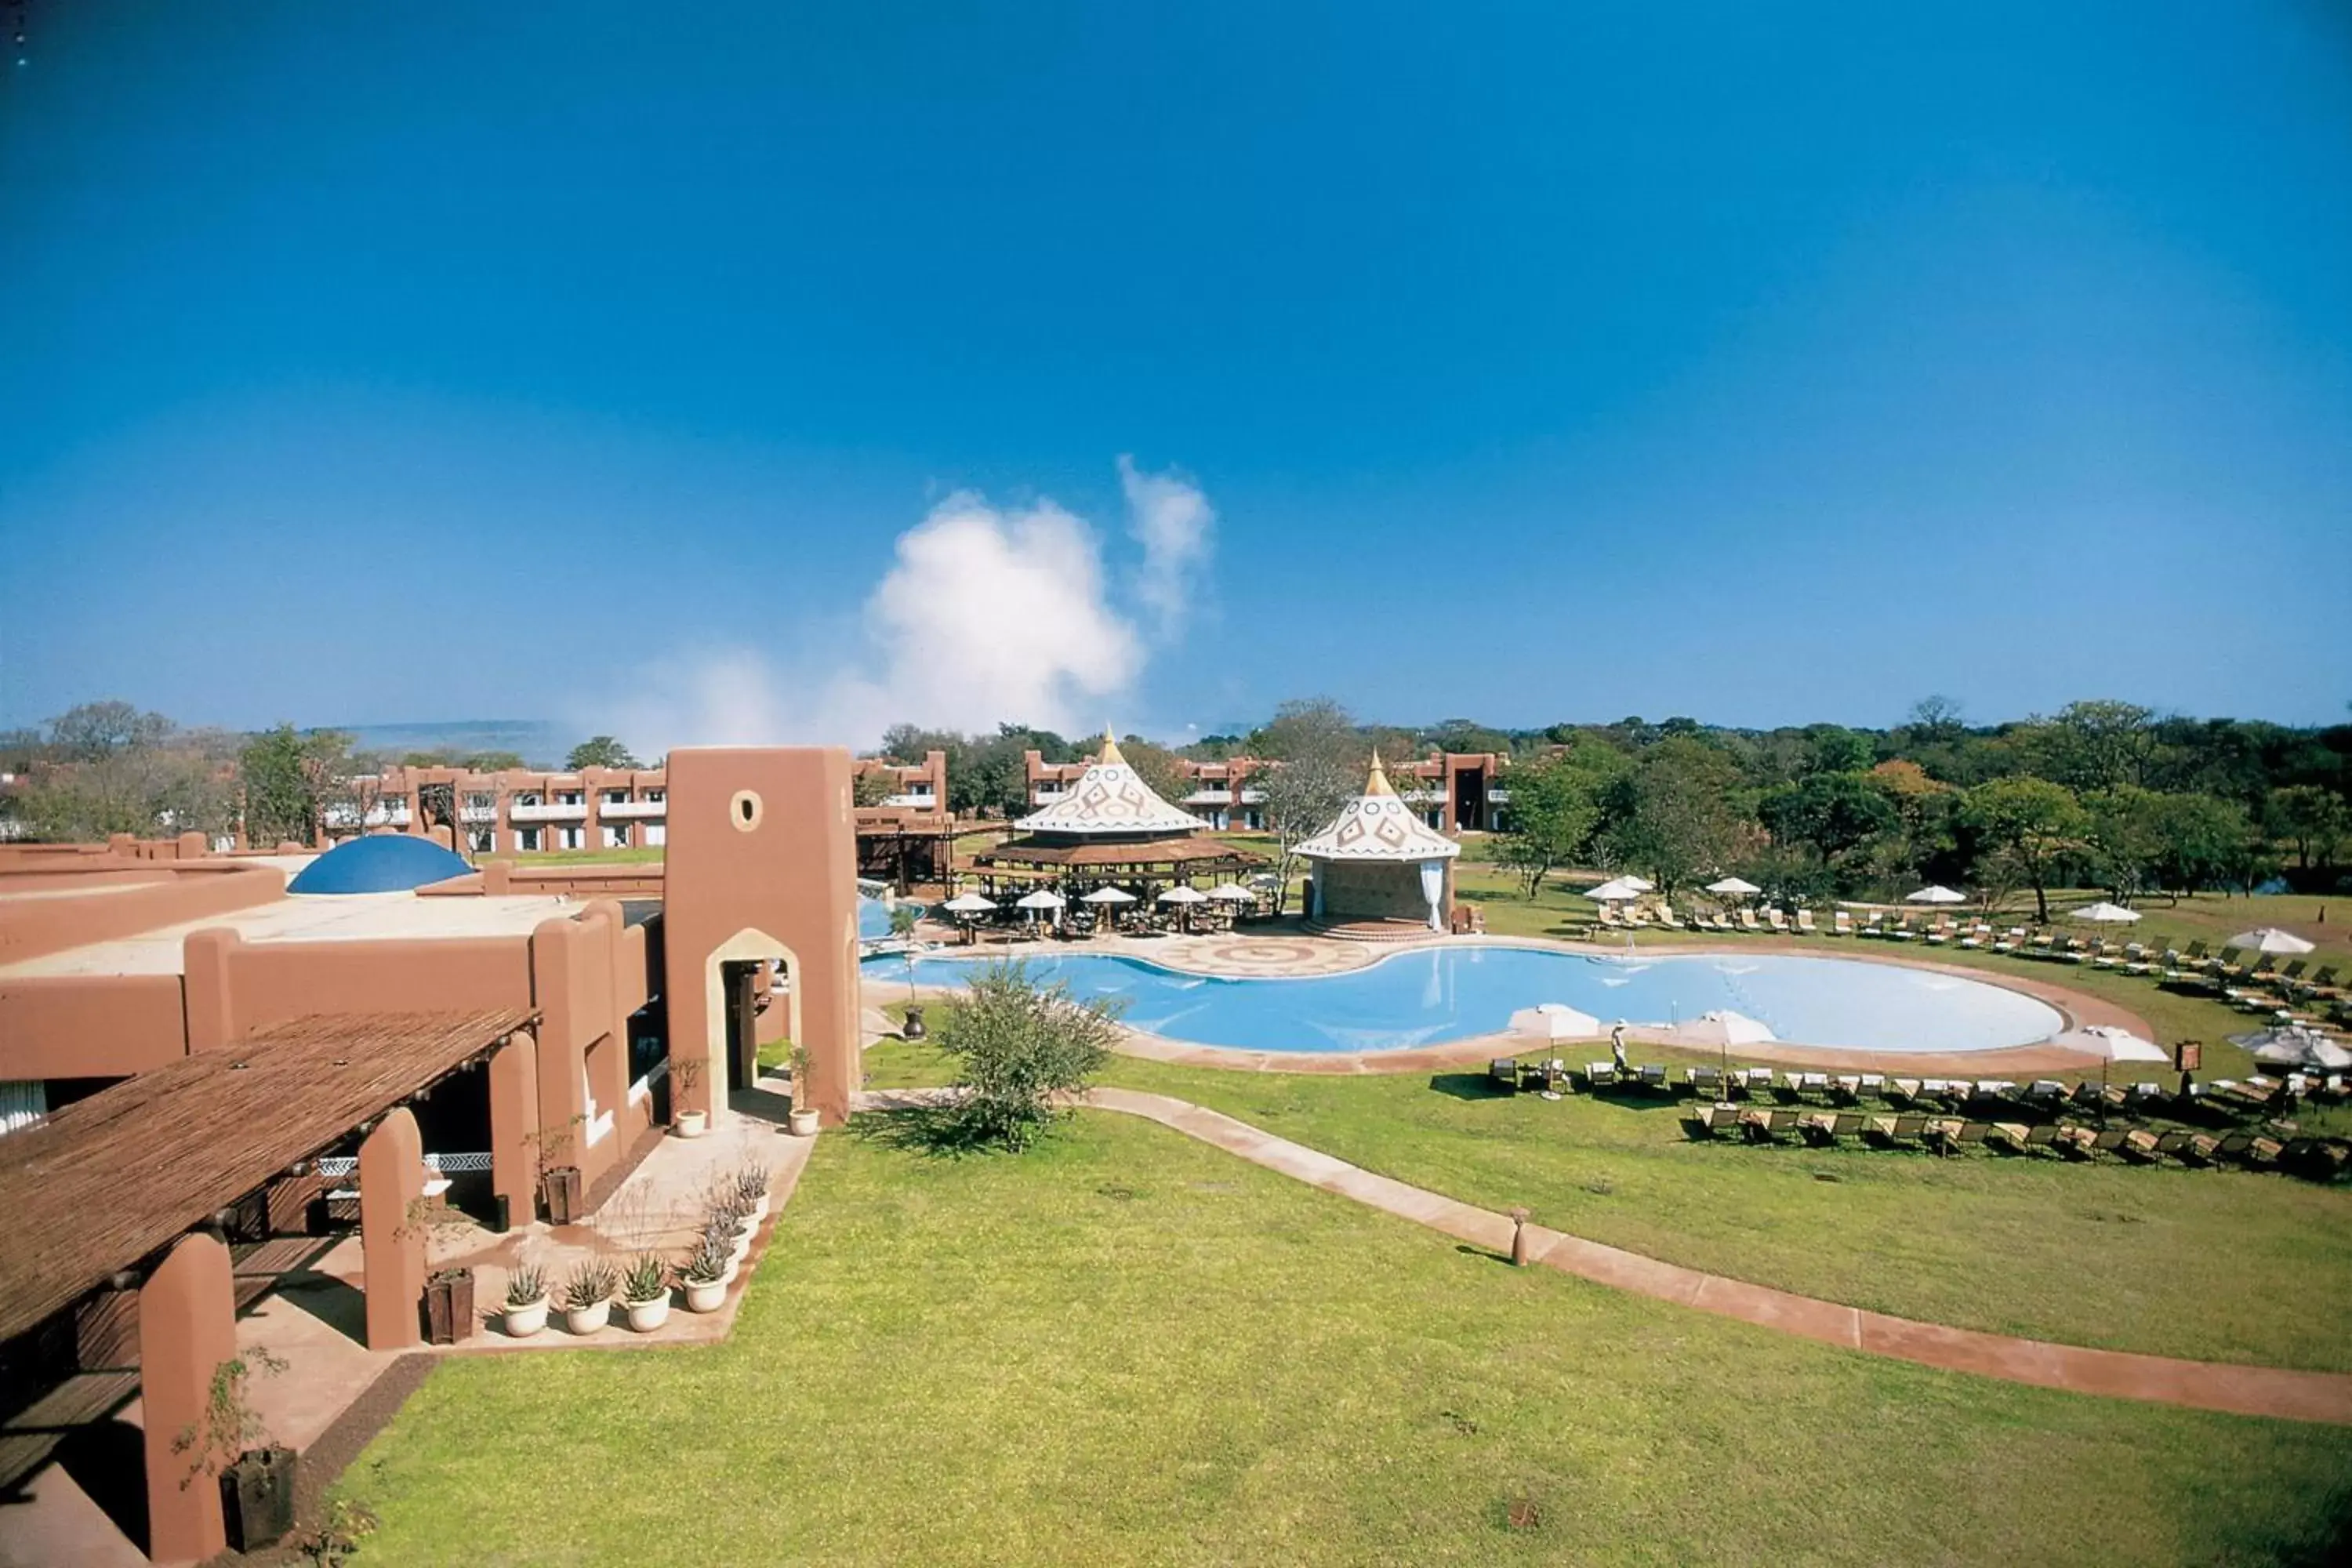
2321,1157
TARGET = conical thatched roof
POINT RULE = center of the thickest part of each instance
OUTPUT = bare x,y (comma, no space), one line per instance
1109,802
1377,825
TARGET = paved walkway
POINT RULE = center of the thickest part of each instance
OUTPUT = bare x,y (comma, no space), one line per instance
2202,1386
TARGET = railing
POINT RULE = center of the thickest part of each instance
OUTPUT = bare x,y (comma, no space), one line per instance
616,810
1210,797
546,813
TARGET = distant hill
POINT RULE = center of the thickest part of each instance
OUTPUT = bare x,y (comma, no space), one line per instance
542,745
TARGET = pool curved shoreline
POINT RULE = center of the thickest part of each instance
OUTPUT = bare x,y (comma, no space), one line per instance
1297,956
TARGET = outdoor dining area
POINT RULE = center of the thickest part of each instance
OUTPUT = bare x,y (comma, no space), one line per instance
1044,913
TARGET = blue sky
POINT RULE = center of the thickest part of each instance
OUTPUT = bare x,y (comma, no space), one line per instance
759,374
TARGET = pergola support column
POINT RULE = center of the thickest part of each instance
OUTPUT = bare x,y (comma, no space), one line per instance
187,1331
392,1239
514,1126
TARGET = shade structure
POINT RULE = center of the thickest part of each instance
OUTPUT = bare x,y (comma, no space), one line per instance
969,904
2111,1044
2295,1047
1555,1021
1734,887
1379,825
2107,913
1231,894
1725,1028
1182,895
1042,898
1935,893
1109,801
1107,896
1623,890
2270,939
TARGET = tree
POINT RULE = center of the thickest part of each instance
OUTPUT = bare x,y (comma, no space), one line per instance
1318,770
2311,818
2200,841
281,796
2032,822
107,768
599,752
1162,771
1555,805
1677,812
94,732
869,787
2093,745
1837,816
1019,1046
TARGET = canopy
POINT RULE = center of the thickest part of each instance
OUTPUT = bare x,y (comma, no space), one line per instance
1733,885
1231,894
2114,914
1182,895
2114,1045
2295,1047
1623,890
1935,893
1725,1028
1042,898
2270,939
1109,800
969,904
1555,1021
1108,895
1377,825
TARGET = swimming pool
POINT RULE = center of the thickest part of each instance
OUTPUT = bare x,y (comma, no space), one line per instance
1428,996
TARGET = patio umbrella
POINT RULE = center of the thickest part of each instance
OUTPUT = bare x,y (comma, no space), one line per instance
1108,895
2269,939
1935,894
1183,895
2107,913
2110,1044
1042,898
2295,1047
969,904
1726,1028
1621,891
1555,1021
1733,885
1231,894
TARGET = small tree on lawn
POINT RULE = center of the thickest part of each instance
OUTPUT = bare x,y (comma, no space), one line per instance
1020,1045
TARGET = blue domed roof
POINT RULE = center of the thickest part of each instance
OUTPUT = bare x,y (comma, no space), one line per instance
380,863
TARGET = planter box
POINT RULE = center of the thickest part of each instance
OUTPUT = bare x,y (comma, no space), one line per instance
558,1190
257,1497
449,1306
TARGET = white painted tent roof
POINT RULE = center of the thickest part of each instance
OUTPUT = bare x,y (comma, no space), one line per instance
1377,825
1109,801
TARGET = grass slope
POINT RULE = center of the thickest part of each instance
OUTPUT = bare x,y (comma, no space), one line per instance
1127,1347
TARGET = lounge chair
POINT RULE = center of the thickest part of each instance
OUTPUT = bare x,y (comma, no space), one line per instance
1872,923
1609,921
1666,916
1748,920
1840,923
1777,921
1768,1126
1651,1076
1805,926
1845,1088
1503,1073
1710,1120
2022,1138
1888,1130
2013,938
1600,1075
2140,1146
1754,1080
1900,1091
1707,1083
1949,1137
1822,1128
1941,931
1870,1084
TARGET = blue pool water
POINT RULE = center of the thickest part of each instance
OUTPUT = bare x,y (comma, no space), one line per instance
1433,995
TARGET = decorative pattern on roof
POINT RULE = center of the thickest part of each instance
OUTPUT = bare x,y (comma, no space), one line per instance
1377,825
1109,800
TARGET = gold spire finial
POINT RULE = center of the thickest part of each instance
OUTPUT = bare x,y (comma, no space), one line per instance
1378,783
1111,748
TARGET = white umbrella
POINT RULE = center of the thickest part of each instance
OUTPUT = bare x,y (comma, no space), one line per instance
1935,894
2270,939
1108,895
1183,896
2295,1046
1726,1028
1639,884
969,904
1621,891
2107,913
1042,898
1733,885
1233,894
1555,1021
2111,1044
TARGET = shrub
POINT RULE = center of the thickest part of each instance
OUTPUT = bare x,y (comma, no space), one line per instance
1020,1045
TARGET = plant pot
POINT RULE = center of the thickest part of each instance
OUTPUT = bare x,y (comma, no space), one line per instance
914,1030
803,1124
559,1189
448,1306
707,1295
257,1497
692,1124
587,1319
526,1319
644,1317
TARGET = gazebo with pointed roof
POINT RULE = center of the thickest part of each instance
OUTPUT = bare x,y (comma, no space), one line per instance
1112,827
1379,862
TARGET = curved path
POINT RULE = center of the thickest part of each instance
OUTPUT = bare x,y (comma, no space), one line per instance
2280,1392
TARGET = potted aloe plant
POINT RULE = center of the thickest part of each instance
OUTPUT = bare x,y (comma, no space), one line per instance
705,1274
645,1292
525,1301
751,1190
588,1295
686,1076
803,1113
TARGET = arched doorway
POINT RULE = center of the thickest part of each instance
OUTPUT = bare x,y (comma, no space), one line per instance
730,998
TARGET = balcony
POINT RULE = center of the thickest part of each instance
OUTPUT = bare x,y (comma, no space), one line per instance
632,810
547,813
1210,797
478,814
1253,798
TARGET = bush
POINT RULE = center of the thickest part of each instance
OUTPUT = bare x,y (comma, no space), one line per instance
1020,1045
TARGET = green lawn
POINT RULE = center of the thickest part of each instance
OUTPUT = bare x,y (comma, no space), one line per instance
1127,1347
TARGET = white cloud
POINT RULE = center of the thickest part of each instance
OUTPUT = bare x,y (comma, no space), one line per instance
987,614
1173,520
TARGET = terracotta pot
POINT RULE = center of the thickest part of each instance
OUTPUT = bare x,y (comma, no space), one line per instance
644,1317
693,1123
526,1319
803,1124
587,1319
705,1295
